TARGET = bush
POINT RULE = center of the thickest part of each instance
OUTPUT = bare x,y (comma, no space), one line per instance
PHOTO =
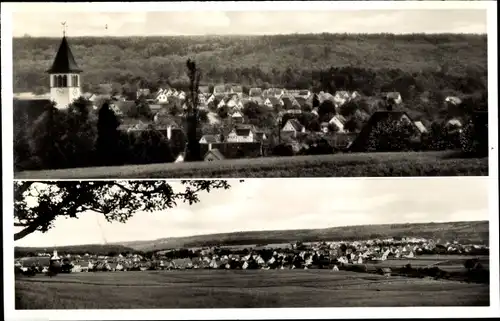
392,135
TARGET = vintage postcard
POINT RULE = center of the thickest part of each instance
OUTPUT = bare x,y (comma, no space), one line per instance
273,160
187,90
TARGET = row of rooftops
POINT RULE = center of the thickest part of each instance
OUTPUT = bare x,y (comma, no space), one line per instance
353,252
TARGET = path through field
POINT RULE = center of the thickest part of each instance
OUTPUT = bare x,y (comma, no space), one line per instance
240,289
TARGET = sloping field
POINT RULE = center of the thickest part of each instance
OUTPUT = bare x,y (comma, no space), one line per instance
240,289
337,165
474,232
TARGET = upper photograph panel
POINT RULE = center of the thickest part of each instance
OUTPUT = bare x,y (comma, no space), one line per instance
219,94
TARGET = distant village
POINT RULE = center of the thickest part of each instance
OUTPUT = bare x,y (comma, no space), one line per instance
323,255
242,138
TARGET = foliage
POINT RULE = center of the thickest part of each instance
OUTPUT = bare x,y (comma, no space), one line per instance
107,135
326,111
146,147
353,125
38,204
416,61
62,138
474,138
258,115
192,152
391,135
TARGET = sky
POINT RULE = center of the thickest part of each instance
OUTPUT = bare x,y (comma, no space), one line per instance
280,204
30,21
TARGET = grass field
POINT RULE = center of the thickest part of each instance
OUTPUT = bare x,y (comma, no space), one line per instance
240,289
338,165
449,263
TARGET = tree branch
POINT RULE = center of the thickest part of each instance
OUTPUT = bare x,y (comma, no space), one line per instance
28,230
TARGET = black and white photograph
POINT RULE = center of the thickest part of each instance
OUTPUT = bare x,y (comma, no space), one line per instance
250,160
211,94
251,244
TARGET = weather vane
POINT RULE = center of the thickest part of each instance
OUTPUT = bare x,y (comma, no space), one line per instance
64,27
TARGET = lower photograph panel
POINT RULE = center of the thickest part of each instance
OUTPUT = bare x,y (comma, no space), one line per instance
254,243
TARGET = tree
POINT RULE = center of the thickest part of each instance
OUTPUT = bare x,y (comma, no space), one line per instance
348,109
81,137
352,125
38,204
315,102
326,110
223,112
391,135
202,116
192,151
107,135
47,138
143,109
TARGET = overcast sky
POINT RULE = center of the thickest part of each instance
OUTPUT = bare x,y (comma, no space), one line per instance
275,204
35,23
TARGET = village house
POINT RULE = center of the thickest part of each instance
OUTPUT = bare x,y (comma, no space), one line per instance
289,102
204,90
238,90
341,97
421,127
219,89
273,92
213,155
393,96
237,117
255,92
453,100
338,121
143,92
293,127
241,133
210,139
323,96
273,102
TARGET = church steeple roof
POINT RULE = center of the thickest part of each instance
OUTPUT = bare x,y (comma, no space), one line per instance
64,61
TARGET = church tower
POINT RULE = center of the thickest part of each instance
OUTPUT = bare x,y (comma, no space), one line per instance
64,77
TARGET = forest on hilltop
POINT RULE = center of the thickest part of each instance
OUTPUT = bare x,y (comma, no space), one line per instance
412,64
466,232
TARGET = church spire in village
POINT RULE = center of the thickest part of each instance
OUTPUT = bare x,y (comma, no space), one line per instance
64,75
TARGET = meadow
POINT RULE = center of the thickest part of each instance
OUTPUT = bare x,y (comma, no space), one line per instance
240,289
447,163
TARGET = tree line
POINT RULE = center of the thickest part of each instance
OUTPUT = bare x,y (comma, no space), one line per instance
292,61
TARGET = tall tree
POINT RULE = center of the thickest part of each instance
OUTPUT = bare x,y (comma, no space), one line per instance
38,204
107,135
192,151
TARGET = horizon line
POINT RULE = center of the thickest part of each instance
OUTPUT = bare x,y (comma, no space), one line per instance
118,243
27,35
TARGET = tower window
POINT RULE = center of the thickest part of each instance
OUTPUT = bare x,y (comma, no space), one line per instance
65,81
59,82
